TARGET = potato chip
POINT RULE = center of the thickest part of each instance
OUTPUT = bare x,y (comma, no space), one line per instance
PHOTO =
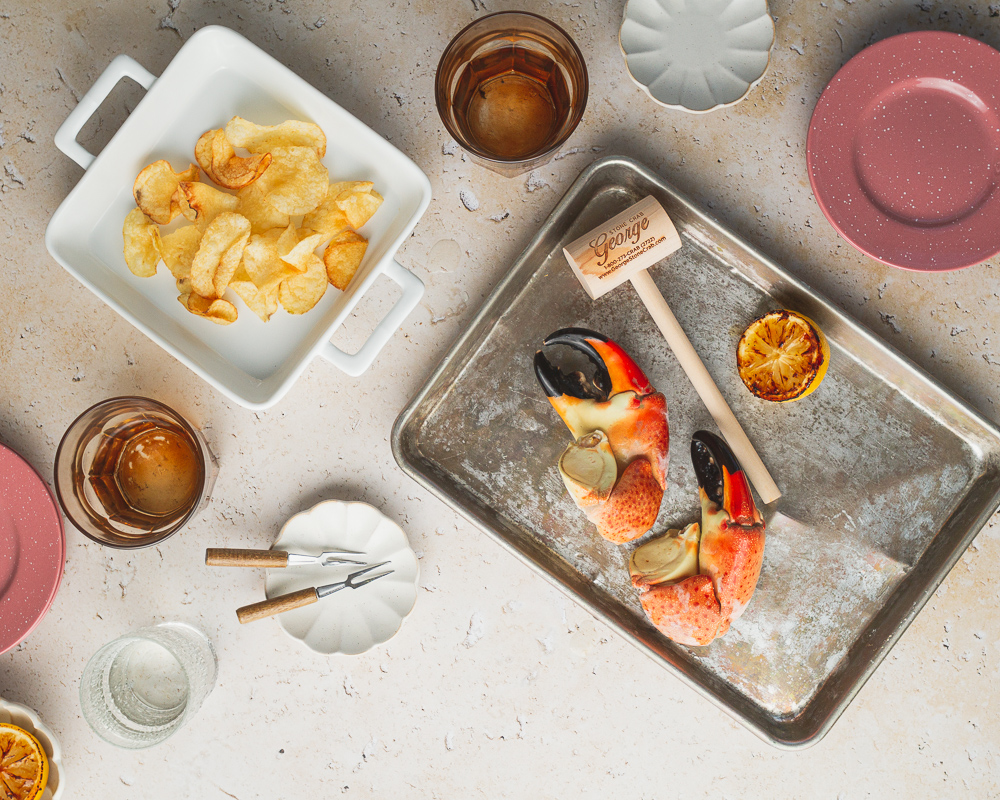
300,293
178,250
343,256
142,243
221,312
298,255
216,156
248,241
239,172
203,150
264,138
262,303
202,203
339,188
154,190
328,217
264,265
359,206
296,182
254,206
219,254
287,239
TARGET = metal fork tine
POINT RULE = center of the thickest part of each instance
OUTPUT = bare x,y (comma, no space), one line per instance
369,580
351,582
350,578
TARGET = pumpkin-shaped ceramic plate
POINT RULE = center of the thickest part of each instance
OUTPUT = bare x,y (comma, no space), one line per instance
697,56
350,621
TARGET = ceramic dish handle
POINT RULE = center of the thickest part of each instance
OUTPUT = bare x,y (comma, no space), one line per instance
413,290
120,67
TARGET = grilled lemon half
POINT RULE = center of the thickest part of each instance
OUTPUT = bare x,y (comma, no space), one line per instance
782,356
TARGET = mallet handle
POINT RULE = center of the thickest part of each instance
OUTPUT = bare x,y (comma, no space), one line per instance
705,386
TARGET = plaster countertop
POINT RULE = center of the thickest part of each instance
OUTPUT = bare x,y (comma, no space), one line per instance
498,685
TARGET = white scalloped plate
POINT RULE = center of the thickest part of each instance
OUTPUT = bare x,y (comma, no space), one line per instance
24,717
352,620
697,55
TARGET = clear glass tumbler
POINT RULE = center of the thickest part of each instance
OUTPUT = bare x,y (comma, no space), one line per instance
130,472
511,89
141,688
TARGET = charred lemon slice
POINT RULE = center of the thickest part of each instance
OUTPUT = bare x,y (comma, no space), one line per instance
782,356
24,769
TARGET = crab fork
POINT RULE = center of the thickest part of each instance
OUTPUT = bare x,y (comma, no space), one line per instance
305,597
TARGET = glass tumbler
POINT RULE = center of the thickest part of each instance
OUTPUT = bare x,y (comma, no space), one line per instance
130,472
141,688
511,89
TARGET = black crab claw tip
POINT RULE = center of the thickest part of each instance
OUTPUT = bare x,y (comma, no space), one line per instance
709,454
555,382
547,375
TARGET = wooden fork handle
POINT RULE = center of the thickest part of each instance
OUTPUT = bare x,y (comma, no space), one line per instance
234,557
276,605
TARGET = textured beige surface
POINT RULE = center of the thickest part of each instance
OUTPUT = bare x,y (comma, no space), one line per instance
497,686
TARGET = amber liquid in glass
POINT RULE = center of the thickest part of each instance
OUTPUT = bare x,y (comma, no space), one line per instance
146,473
512,100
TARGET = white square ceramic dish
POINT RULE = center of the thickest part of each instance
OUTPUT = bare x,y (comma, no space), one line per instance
218,74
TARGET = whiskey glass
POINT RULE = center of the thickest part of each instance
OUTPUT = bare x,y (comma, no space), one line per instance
511,89
130,471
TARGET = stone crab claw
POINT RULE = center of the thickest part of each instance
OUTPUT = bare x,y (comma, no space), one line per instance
694,600
616,469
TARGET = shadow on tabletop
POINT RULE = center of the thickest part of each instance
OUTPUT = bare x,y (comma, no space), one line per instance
19,684
347,493
157,43
30,446
905,16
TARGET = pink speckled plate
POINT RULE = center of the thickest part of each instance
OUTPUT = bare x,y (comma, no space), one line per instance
32,549
903,151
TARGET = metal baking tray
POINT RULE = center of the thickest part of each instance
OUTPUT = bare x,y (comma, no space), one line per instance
887,475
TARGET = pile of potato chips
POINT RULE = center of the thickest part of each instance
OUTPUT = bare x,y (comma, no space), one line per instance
248,241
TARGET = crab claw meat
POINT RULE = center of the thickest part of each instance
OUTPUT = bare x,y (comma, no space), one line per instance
588,469
700,608
666,559
631,416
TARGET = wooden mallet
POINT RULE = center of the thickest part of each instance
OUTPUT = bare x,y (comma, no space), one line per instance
622,249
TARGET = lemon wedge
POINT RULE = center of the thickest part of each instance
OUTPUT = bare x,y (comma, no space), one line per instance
782,356
24,768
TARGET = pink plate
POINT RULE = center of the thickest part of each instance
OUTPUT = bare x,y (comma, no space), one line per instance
32,549
903,151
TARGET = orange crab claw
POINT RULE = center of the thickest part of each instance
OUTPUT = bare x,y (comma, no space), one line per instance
619,478
697,609
571,394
